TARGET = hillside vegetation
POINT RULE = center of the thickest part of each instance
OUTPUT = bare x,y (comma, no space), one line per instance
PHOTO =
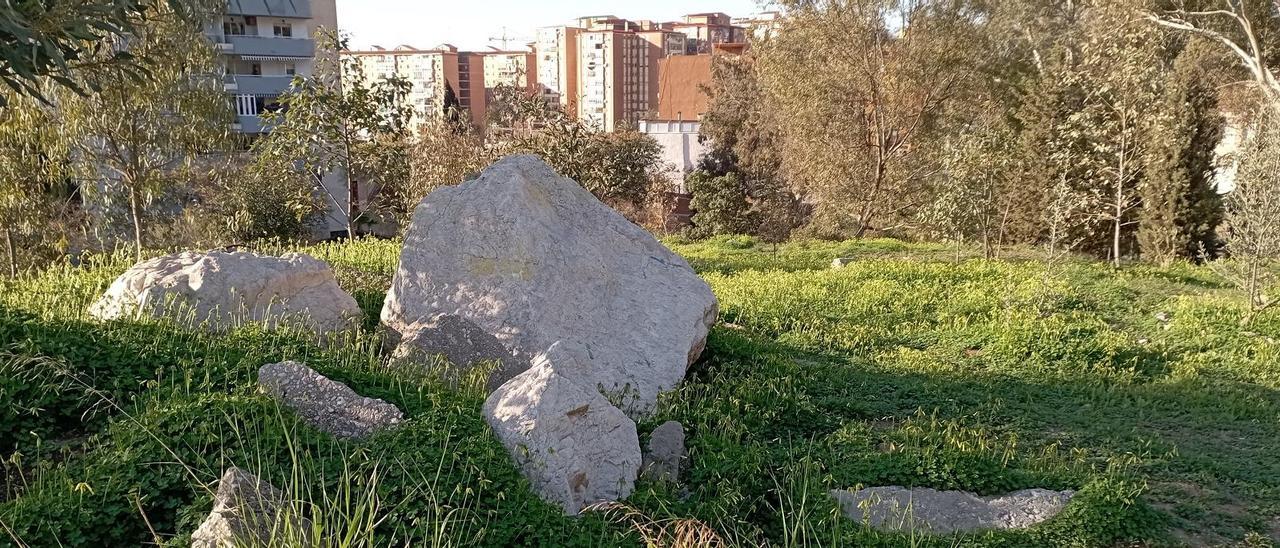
915,365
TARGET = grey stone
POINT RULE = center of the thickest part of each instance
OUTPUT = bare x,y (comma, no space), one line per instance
326,404
665,452
842,262
533,258
461,343
942,512
575,447
220,290
247,511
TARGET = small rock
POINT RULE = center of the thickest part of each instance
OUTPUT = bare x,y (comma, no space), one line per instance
462,343
942,512
575,447
246,511
1164,317
842,262
326,404
665,452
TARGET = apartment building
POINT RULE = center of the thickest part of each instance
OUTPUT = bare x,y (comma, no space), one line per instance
705,30
614,78
264,44
517,68
432,73
471,91
556,51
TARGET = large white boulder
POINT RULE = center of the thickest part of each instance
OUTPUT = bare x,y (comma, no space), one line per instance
222,289
574,446
533,258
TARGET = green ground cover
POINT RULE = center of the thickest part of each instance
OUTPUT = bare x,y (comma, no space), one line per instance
916,365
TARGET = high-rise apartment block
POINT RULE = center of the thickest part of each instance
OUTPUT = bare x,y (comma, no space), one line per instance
557,58
431,73
605,69
705,30
264,44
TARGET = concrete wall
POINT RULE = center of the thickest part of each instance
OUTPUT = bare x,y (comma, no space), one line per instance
680,147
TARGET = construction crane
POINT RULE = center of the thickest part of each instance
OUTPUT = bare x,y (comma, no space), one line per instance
506,38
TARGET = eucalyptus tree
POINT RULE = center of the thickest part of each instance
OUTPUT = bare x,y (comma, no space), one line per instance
34,153
337,123
58,41
1249,30
145,135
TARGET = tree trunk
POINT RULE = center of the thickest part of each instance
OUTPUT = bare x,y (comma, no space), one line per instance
13,259
135,214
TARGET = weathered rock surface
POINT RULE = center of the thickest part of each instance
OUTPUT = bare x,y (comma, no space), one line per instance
326,404
533,258
574,446
941,512
223,289
842,262
460,342
665,452
246,511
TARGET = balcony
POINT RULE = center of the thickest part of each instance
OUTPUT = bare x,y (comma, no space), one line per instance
270,8
248,124
268,46
248,84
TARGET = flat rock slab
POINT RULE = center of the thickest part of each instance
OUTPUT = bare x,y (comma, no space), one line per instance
533,258
842,262
220,290
575,447
326,404
247,511
941,512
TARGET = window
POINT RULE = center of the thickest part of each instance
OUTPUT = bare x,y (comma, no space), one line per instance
233,28
255,68
283,30
290,68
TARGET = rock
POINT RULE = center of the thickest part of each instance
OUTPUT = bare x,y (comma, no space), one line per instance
460,342
533,258
326,404
221,290
574,446
942,512
665,452
842,262
246,511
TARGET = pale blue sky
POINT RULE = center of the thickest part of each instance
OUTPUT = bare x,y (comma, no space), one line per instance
469,24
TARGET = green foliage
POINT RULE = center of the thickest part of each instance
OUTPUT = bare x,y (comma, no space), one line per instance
337,124
719,204
43,40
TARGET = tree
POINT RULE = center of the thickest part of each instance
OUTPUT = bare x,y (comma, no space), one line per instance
971,203
34,156
863,87
142,135
1242,27
1120,69
620,168
1181,208
58,41
443,153
1253,220
720,205
338,124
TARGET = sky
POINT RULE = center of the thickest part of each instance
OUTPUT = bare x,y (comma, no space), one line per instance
470,24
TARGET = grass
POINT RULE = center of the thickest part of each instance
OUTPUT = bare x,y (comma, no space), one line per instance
915,365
